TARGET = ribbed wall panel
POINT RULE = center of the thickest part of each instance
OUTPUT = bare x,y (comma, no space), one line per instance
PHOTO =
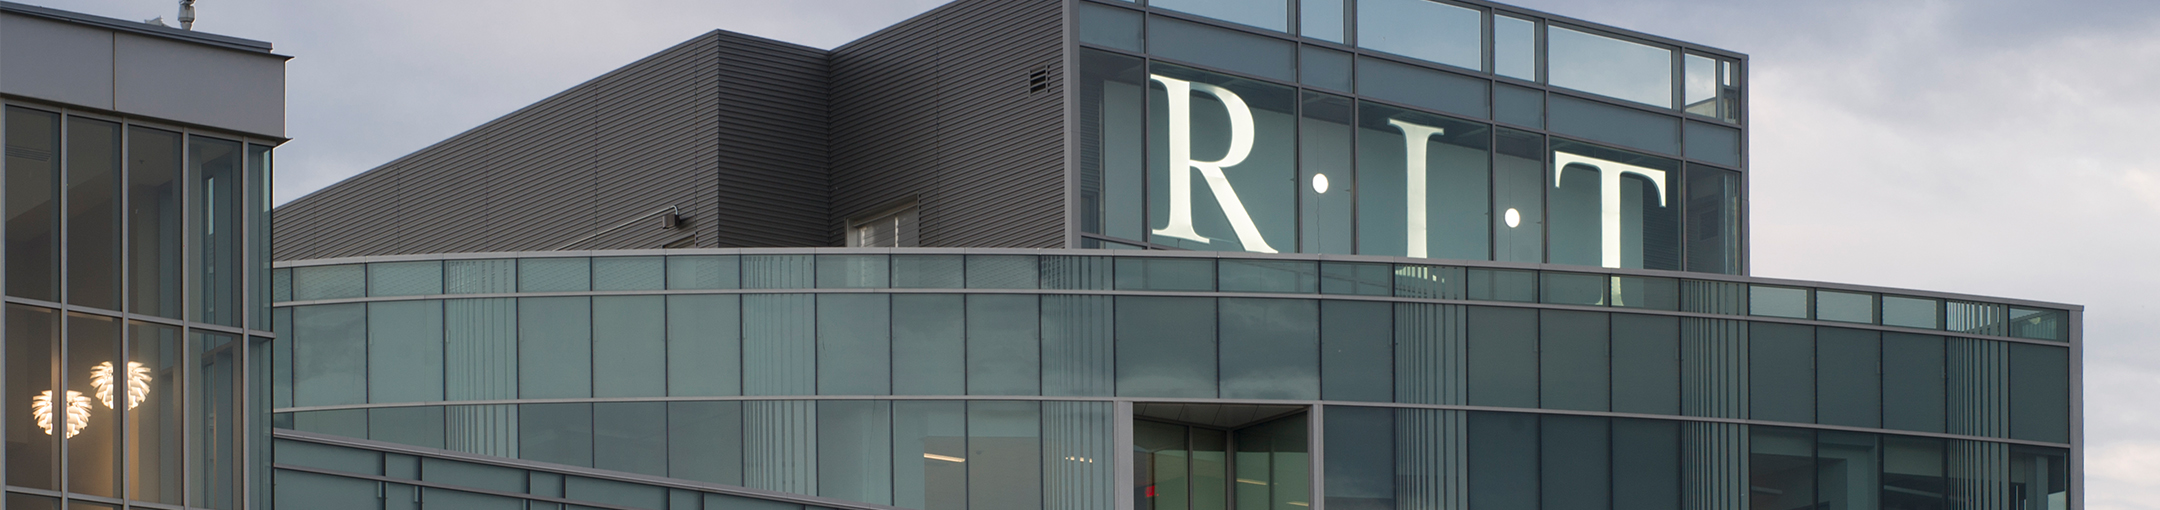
480,349
1432,354
1077,350
1980,476
779,344
1083,273
1714,475
482,430
1713,297
772,138
938,109
1978,384
1976,318
1078,451
780,446
1714,367
1432,452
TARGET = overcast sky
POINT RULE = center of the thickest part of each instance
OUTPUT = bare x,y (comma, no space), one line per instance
1993,147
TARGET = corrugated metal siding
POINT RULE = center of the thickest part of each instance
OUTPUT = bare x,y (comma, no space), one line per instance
773,133
939,108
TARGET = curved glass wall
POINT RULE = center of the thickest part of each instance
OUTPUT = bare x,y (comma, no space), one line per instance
120,387
947,378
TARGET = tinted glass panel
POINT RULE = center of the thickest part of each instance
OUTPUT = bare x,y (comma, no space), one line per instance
1003,355
154,426
1423,29
93,213
1573,288
1643,232
554,275
1077,345
96,370
1911,312
705,441
1781,375
1713,220
2038,324
405,278
405,351
1360,459
330,355
1324,180
33,204
1322,19
1912,382
629,273
1268,14
1423,183
1715,144
929,344
1165,347
1608,66
1502,472
1111,122
1357,351
1518,211
1646,464
704,345
554,347
1108,26
1286,276
1645,364
1577,466
1778,302
1358,279
1421,87
854,344
214,165
557,433
630,346
1912,474
929,455
1004,459
1515,48
1844,306
853,272
1846,464
1202,138
1222,48
1503,357
854,454
702,272
1848,377
2040,393
1270,348
1782,463
1325,68
153,196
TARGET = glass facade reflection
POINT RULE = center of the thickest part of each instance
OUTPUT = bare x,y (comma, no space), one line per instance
1005,380
113,395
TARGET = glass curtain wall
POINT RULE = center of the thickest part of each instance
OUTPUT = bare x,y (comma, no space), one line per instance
112,218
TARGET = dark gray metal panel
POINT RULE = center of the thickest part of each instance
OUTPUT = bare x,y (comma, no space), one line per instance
773,123
56,61
939,108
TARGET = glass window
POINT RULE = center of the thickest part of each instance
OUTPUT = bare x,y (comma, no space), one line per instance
1713,222
1422,87
1003,355
1186,274
1503,357
779,344
33,202
1322,19
1912,382
555,347
1268,14
2040,393
929,455
620,494
1111,129
702,272
1645,364
416,426
1219,129
1520,106
1518,210
482,350
215,166
2038,324
1911,312
1770,301
154,423
1701,86
1503,285
480,276
854,344
405,278
555,275
1503,471
557,433
1608,66
1326,189
1108,26
1357,351
853,272
95,370
259,204
1912,473
930,271
1646,464
929,344
1846,466
1715,144
2043,475
1576,454
216,439
779,272
704,345
1781,372
629,273
153,221
1423,185
1325,68
1222,48
330,282
1646,292
1004,460
1641,233
629,349
1353,278
1270,348
705,441
854,454
405,351
630,437
334,492
1360,457
93,213
1781,468
1430,282
1574,288
1165,347
1001,272
1574,360
1627,127
1423,29
1076,346
1848,377
1285,276
330,355
1515,47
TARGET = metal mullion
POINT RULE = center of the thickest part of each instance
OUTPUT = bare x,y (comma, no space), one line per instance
4,308
61,405
191,365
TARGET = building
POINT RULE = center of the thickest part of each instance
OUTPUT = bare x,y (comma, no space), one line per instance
136,261
1095,254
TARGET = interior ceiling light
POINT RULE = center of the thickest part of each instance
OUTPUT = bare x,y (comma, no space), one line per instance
138,383
78,412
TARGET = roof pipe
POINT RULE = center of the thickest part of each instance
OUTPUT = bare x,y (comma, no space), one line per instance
187,14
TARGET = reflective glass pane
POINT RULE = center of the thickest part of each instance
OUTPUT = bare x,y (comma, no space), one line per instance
1573,288
1521,106
1222,48
1515,47
1911,312
1357,351
1701,86
1078,273
93,213
705,441
1165,347
1503,357
1608,66
481,354
702,272
555,347
1912,474
1646,464
1004,460
1270,348
1576,465
631,437
929,271
1003,349
704,345
1268,14
416,426
1618,125
218,437
2038,324
1575,360
1108,26
1325,186
855,445
1283,276
330,282
1845,306
1713,143
1357,279
853,272
1076,346
629,273
1781,468
1360,464
1781,375
1912,382
929,455
330,355
2042,476
1645,364
259,203
405,351
1503,472
629,346
157,468
1325,68
1423,185
480,276
929,344
405,278
779,344
33,204
554,275
557,433
1423,29
1221,129
1643,232
1847,464
1422,87
1001,272
1646,292
1113,93
214,165
154,214
1518,210
1770,301
779,272
1713,222
96,370
1848,381
1322,19
2040,393
1187,274
1503,285
854,344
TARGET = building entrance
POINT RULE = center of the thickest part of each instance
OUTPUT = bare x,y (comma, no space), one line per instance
1221,457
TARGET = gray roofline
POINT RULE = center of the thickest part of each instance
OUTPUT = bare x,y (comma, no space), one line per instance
137,27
